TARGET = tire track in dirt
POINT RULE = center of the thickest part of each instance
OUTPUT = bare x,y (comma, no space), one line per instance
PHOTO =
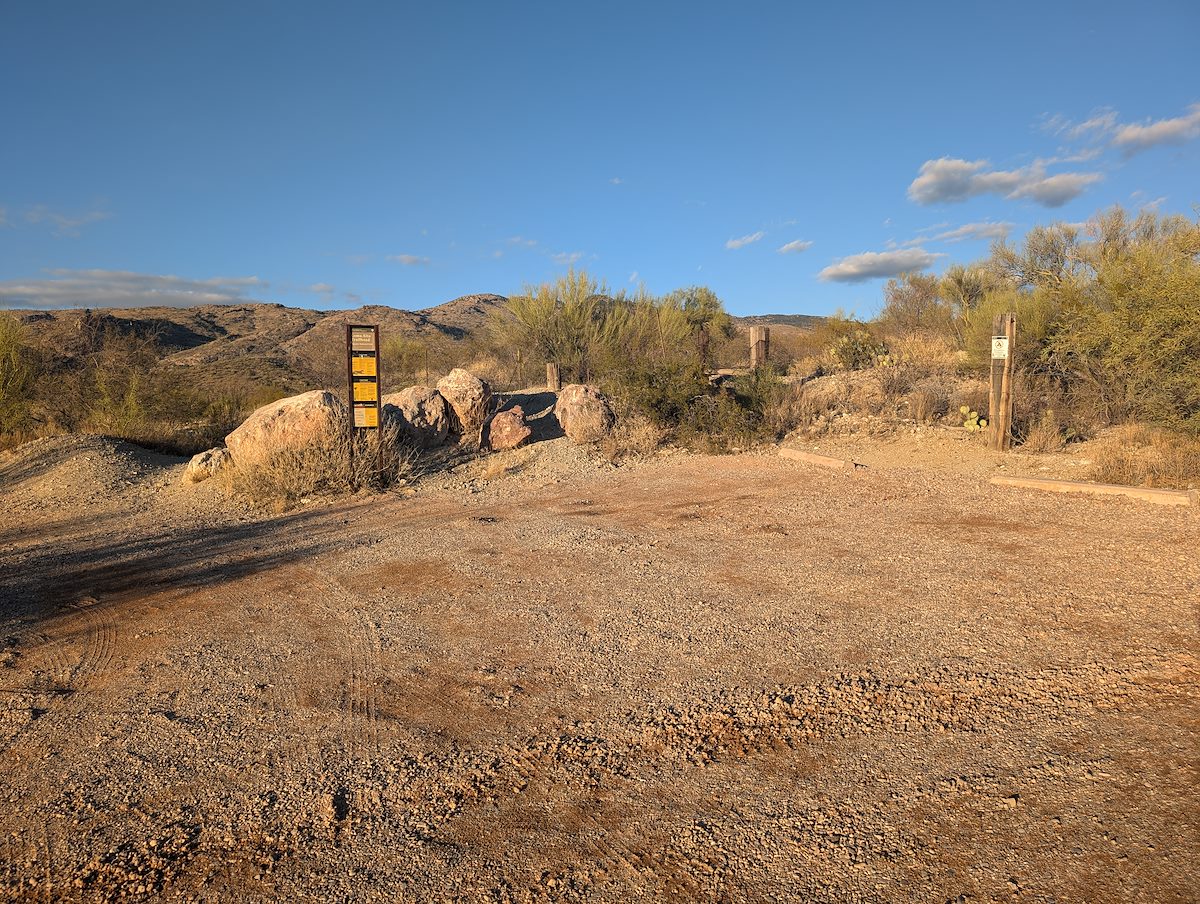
64,665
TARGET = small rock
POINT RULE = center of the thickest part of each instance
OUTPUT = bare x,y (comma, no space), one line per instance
507,430
584,413
206,464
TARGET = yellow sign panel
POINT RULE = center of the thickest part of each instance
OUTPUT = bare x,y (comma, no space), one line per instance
362,339
363,367
366,391
366,416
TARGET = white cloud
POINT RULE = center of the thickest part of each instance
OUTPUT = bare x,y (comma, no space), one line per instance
1135,137
498,253
1099,125
322,288
567,258
984,230
744,240
876,264
523,242
794,247
124,289
948,179
633,277
64,224
616,180
409,260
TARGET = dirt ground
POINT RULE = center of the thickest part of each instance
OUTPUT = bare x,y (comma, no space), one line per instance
696,678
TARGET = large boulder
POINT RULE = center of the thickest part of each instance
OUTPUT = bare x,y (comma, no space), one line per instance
469,396
422,412
303,420
205,465
507,430
584,413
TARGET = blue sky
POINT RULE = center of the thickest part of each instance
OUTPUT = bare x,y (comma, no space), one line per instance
787,155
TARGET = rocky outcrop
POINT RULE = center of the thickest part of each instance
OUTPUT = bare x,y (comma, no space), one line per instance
205,465
469,397
295,422
507,430
584,413
423,414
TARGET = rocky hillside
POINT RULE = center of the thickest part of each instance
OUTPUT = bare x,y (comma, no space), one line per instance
269,343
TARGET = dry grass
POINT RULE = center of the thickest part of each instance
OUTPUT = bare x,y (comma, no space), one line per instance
1046,435
932,354
502,464
1137,455
634,436
331,466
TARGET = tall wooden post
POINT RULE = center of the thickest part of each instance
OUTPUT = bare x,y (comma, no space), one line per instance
1004,340
553,377
760,345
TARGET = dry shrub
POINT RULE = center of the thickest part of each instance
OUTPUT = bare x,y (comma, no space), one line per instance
334,465
929,401
1046,435
928,353
895,379
1146,456
492,370
634,436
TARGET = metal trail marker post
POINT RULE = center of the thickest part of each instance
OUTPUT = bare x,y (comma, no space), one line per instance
362,375
1004,340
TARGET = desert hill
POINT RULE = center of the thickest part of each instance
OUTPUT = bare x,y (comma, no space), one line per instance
223,346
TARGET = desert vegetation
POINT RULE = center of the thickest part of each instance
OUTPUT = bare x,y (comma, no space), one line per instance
1108,335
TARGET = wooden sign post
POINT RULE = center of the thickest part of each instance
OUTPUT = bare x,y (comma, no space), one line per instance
362,373
1004,339
760,345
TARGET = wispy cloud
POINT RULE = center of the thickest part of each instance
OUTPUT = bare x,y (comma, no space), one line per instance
523,242
409,260
877,264
616,180
633,277
744,240
124,289
794,247
567,258
984,230
64,224
1098,126
322,288
1135,137
948,180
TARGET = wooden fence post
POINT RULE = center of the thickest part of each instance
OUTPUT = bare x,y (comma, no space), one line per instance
553,377
1004,341
760,345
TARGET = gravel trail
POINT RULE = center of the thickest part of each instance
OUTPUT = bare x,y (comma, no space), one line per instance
696,678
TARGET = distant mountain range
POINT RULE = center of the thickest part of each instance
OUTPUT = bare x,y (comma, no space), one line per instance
291,348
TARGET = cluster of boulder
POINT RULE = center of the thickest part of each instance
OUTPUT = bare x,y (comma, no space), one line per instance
459,409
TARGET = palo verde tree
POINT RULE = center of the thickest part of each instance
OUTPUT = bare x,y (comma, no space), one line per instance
706,317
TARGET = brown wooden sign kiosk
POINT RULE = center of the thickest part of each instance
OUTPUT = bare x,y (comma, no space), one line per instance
362,374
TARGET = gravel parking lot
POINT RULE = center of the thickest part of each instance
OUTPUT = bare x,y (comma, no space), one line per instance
698,678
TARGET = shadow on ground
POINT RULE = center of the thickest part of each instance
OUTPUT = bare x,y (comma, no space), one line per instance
539,413
44,582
